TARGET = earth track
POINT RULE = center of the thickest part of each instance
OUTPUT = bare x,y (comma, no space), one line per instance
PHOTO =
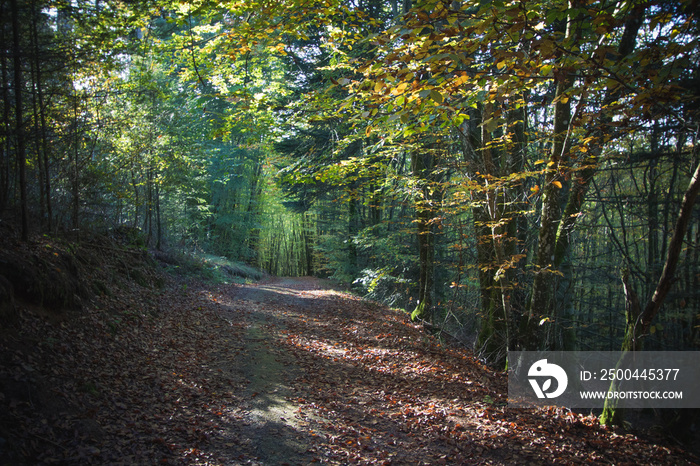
272,429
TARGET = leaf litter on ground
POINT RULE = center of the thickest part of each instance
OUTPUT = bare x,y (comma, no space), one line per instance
164,376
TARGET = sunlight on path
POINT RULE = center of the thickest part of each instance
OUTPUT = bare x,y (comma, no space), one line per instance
274,431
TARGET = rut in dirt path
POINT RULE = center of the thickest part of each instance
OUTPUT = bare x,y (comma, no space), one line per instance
271,423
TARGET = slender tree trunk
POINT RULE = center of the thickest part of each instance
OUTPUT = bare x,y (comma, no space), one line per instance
543,305
19,117
45,154
496,219
35,84
149,206
541,329
309,239
39,158
5,128
427,206
136,197
76,165
252,212
653,254
353,228
159,225
42,145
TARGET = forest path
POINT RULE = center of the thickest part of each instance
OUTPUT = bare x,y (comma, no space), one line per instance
271,428
319,376
284,371
331,378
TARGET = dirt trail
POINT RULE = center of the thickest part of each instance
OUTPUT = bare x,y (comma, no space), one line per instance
285,371
271,422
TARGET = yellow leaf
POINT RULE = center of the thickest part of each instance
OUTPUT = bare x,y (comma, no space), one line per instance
379,86
461,80
491,125
557,184
368,131
400,88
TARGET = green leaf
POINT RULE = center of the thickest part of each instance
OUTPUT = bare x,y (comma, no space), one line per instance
460,118
436,96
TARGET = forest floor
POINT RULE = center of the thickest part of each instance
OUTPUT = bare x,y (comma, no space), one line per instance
282,371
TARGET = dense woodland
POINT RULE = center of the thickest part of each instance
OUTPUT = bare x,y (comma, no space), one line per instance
516,174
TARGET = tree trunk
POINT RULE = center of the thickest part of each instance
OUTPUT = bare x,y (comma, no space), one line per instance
43,152
76,165
353,228
427,206
34,75
309,240
6,125
159,230
149,206
539,333
19,130
253,211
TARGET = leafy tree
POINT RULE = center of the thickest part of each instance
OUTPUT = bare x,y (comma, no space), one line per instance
444,66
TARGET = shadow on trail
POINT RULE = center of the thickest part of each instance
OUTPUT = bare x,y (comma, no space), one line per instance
336,378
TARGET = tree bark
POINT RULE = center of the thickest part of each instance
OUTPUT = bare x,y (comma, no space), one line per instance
6,125
427,207
159,228
543,310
